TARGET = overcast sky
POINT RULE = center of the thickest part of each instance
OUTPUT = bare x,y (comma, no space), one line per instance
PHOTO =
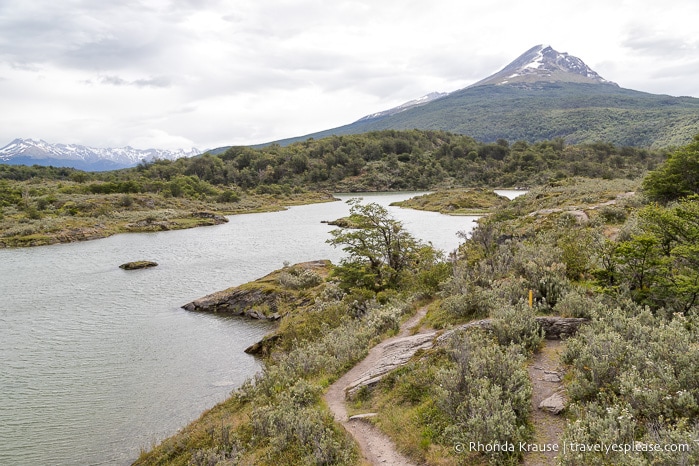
209,73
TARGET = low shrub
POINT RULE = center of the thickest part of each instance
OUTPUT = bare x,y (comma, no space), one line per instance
298,278
578,303
474,304
486,394
517,324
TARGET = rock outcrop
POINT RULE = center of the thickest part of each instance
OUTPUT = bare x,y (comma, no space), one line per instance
240,301
393,355
554,404
560,328
264,299
138,265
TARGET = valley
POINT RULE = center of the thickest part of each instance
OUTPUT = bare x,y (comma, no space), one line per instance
604,241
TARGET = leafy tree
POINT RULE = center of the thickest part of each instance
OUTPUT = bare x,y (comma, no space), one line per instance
640,264
660,264
379,248
677,177
677,231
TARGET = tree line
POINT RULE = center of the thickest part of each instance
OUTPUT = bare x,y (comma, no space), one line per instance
376,161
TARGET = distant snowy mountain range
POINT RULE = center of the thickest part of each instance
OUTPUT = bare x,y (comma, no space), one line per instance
39,152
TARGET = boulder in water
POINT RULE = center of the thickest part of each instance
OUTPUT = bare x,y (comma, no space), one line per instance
138,265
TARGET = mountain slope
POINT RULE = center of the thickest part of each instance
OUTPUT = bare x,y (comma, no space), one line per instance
38,152
544,94
401,108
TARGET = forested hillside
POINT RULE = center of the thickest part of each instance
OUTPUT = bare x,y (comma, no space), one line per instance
579,113
39,202
383,160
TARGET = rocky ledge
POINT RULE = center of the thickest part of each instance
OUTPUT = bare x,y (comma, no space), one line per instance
266,298
252,302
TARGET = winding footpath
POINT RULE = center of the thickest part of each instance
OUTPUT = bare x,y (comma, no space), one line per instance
375,446
545,373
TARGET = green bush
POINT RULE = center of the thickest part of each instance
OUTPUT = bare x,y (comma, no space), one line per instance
517,324
228,195
634,375
486,394
577,302
474,304
299,278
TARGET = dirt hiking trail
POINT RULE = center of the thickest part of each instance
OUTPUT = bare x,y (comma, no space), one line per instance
375,446
546,374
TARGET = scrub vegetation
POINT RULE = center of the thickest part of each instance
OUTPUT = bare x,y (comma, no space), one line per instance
609,250
616,246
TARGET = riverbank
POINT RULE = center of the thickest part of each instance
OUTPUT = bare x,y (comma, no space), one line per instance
83,217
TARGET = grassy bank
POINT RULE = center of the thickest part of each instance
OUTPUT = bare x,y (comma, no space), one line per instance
457,202
47,212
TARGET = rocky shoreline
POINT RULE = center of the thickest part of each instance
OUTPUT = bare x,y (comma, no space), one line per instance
263,299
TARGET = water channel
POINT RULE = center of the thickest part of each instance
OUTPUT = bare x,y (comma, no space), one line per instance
98,363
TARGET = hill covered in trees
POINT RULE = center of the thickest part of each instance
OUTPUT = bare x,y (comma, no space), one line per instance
544,95
579,113
38,202
394,160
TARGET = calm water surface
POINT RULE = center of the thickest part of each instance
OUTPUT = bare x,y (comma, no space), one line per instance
98,363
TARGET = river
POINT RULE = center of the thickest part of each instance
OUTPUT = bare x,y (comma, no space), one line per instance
99,363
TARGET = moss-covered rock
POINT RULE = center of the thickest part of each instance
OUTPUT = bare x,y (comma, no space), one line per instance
268,297
138,265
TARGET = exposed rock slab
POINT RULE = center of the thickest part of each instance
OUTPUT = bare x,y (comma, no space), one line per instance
359,417
238,301
393,355
560,328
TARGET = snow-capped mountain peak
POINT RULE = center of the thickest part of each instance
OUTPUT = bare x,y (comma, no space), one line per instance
543,63
40,152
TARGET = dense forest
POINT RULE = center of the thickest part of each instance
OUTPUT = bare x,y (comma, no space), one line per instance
385,160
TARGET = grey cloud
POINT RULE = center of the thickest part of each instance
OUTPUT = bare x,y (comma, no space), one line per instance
679,71
108,54
85,35
157,82
646,41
